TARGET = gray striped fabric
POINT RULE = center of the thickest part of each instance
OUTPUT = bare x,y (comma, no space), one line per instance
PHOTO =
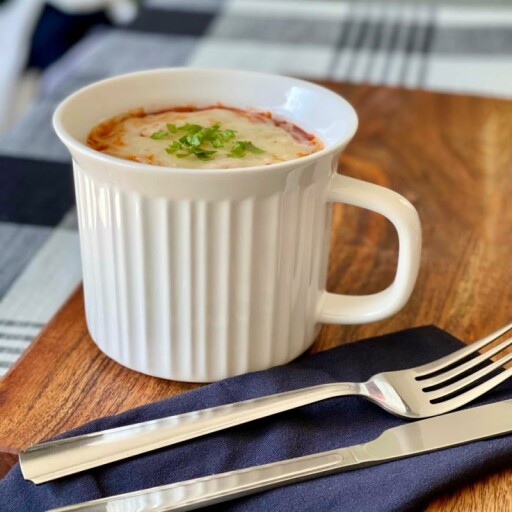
462,47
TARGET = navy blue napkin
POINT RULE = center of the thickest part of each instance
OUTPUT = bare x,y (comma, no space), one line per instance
402,485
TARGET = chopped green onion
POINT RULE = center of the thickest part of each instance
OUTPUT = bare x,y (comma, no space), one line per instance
172,148
241,147
192,144
160,134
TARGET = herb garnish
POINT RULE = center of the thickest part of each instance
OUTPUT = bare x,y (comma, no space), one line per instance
160,134
197,138
241,147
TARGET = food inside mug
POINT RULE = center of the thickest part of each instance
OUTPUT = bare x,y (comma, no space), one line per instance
215,137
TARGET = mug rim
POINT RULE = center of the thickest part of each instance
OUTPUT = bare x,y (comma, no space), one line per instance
74,143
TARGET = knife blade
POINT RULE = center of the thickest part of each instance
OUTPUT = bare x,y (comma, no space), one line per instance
407,440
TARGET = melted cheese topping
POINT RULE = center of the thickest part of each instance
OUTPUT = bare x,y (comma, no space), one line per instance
128,136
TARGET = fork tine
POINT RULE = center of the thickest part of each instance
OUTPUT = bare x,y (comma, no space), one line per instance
448,360
472,394
450,374
461,384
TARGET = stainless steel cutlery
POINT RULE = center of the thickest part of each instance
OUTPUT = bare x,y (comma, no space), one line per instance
395,443
428,390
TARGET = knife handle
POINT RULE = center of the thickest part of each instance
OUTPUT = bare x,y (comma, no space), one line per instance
218,488
48,461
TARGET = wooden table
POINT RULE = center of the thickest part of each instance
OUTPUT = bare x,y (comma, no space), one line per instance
450,155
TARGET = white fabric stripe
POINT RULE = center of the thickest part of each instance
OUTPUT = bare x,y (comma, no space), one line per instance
304,60
478,16
8,357
288,8
46,282
18,345
475,75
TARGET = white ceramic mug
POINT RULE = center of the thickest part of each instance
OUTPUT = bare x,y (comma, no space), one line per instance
198,275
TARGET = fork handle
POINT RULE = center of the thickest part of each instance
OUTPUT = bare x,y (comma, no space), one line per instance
48,461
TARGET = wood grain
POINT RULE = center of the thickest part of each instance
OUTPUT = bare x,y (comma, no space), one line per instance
450,155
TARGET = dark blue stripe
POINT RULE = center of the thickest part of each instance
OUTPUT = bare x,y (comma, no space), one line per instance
34,192
172,21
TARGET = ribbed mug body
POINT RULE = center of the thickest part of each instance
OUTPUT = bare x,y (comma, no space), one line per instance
204,277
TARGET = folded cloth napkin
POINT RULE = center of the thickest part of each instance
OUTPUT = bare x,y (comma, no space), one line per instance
402,485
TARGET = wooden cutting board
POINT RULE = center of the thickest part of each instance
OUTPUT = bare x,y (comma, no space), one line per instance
450,155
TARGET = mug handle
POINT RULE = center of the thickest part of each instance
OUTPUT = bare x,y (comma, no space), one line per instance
357,309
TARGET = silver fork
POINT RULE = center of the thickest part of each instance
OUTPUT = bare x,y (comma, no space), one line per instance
427,390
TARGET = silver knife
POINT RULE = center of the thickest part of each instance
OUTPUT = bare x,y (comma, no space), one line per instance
406,440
